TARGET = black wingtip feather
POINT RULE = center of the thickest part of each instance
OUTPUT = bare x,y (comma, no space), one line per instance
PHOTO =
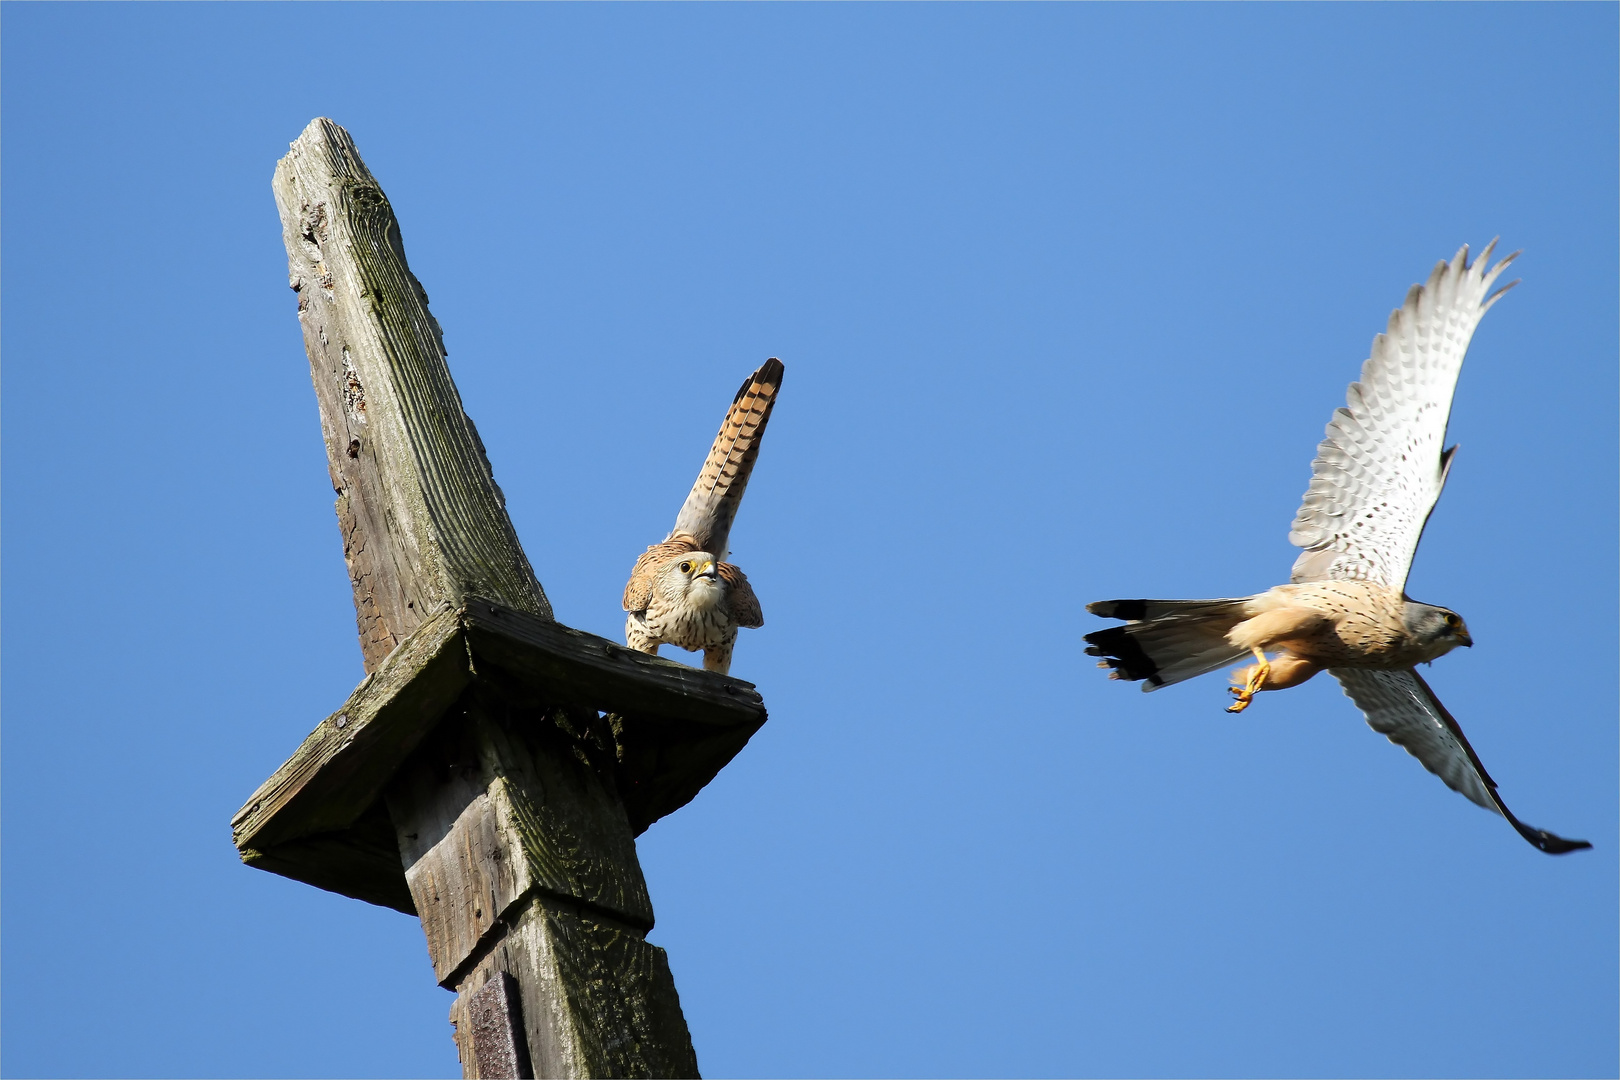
1540,839
1543,840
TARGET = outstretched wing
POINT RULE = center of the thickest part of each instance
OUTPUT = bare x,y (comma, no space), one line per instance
1400,704
712,505
1379,471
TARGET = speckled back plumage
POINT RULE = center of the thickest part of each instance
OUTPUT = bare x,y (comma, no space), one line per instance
1361,624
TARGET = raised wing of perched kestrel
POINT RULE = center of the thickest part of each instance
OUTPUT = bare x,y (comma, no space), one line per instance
682,591
1375,480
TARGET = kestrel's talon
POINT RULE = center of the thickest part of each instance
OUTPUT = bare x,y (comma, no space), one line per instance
1253,684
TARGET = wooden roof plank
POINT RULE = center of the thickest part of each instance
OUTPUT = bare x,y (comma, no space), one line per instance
584,669
675,728
341,768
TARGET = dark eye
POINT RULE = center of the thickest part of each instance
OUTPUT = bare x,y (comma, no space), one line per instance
1453,622
686,568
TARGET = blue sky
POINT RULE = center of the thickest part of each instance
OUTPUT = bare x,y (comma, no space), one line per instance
1065,295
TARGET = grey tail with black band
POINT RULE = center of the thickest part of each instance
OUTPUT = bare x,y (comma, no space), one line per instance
1166,641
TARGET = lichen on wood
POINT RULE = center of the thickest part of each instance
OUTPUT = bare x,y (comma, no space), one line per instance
508,761
423,522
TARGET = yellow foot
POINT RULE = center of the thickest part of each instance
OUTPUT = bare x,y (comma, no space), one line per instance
1254,682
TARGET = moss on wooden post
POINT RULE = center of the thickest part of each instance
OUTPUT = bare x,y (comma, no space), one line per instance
508,761
424,524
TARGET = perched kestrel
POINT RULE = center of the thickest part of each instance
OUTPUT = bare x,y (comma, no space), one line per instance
1375,480
682,591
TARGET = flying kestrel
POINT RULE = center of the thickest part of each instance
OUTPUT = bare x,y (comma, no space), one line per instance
682,591
1375,480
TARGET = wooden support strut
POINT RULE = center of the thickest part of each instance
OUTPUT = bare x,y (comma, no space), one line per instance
512,759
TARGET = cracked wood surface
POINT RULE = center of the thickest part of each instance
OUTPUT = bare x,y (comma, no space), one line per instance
504,806
672,728
338,772
597,999
495,745
422,520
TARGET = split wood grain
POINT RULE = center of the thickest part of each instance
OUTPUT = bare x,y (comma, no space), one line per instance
673,728
598,999
497,809
514,759
423,522
338,772
573,666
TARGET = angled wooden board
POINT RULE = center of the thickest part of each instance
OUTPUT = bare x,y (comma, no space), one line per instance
423,521
577,668
338,772
675,727
361,861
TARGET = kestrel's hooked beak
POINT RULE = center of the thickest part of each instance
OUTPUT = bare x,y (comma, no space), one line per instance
707,570
1464,639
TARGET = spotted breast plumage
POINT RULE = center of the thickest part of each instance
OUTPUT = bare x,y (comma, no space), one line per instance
682,591
1374,482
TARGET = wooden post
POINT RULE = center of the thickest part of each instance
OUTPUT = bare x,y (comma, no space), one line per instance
493,769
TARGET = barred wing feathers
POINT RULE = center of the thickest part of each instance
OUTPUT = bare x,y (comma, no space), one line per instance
740,598
1400,705
710,509
1379,471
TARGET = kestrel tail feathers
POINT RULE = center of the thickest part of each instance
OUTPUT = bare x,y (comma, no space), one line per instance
712,506
1166,641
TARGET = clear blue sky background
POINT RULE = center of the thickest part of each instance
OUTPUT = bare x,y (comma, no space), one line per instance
1065,294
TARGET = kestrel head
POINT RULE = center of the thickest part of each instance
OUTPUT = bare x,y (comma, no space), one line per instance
692,580
1437,630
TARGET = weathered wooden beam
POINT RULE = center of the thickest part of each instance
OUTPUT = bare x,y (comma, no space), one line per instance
609,1001
424,524
360,860
337,774
672,728
514,759
584,669
522,863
